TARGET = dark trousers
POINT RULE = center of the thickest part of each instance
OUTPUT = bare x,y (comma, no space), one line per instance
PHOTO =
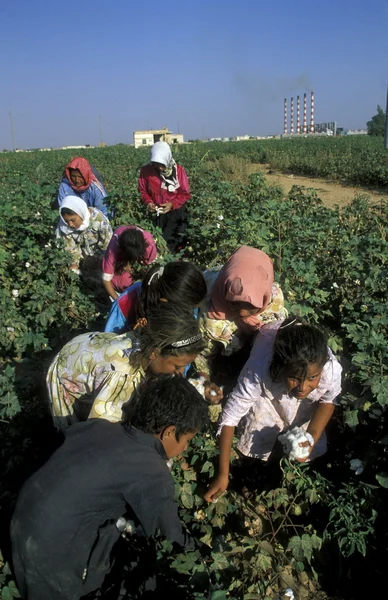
173,226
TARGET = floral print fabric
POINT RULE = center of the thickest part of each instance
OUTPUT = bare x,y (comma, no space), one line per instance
93,241
93,377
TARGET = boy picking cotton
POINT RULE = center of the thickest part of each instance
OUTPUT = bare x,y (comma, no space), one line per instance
66,523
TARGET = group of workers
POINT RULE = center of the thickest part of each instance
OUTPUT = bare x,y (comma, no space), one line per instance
132,397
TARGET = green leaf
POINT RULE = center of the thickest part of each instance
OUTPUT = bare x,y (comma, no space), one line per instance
218,595
220,561
14,590
351,417
6,593
186,496
382,478
207,466
263,561
264,545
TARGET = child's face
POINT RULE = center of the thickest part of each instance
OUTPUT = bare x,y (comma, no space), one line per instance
73,221
301,387
169,364
172,446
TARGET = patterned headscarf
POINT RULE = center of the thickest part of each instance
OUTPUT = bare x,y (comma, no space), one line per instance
247,276
85,169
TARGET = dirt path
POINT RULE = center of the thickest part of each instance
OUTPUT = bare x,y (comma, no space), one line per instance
330,192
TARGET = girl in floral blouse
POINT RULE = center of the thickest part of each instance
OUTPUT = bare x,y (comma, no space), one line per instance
96,373
86,232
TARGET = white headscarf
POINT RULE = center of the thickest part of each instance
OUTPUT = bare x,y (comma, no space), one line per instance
78,206
161,153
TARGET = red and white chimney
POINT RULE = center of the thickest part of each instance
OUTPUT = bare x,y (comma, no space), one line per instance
304,113
285,129
297,115
312,124
292,117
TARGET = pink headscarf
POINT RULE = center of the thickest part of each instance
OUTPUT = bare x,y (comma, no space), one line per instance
246,277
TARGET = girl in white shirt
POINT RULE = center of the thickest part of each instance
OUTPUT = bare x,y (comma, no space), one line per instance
290,380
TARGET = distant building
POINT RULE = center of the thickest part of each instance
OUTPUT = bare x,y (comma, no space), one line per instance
76,147
150,136
357,132
328,128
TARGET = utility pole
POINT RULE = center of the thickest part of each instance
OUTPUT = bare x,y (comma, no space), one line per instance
386,124
99,118
12,131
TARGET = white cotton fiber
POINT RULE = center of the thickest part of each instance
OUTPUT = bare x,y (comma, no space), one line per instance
291,441
199,385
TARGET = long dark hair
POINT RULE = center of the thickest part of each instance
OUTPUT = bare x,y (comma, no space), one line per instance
297,344
171,332
180,283
133,247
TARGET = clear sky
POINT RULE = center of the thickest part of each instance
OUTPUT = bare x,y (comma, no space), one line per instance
215,67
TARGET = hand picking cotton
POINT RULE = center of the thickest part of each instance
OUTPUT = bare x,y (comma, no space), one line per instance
291,441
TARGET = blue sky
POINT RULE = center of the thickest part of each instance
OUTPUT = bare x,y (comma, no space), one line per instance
215,67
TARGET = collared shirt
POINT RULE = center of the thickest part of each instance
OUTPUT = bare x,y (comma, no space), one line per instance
263,408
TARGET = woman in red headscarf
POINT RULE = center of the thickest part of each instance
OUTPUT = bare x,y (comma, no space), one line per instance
242,297
80,179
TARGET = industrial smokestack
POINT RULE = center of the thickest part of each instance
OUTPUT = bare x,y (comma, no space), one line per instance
292,116
297,114
304,113
312,124
285,130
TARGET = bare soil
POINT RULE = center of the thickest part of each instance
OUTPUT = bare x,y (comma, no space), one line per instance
330,192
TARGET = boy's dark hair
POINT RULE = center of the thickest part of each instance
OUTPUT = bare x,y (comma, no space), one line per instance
167,400
133,246
181,284
172,332
297,344
68,211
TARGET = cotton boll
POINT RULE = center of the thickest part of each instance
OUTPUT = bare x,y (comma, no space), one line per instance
291,441
121,524
213,393
199,385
